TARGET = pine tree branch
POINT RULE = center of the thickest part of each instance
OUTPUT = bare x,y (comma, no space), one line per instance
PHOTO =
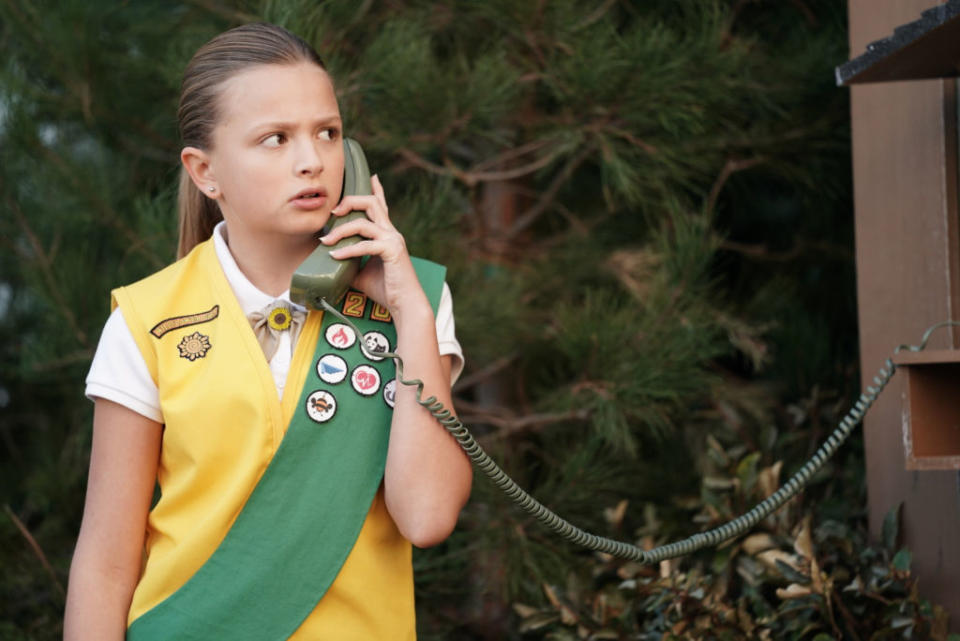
762,252
629,137
471,177
109,215
78,356
732,166
483,374
510,425
510,154
595,16
37,550
530,216
232,15
46,269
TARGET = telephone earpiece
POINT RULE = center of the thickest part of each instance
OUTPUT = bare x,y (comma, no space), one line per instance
321,277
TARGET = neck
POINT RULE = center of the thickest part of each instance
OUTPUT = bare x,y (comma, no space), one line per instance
268,262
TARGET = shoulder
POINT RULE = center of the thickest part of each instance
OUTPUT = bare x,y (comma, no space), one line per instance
170,278
161,301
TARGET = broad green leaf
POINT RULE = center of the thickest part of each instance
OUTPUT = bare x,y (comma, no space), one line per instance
901,561
891,527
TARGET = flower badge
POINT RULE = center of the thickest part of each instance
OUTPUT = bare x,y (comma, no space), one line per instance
194,346
279,318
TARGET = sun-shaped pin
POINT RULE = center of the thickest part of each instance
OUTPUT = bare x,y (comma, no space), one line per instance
194,346
279,318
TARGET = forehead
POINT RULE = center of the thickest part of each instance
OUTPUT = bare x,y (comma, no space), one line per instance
276,93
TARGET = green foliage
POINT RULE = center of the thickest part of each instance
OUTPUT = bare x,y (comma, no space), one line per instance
644,208
794,577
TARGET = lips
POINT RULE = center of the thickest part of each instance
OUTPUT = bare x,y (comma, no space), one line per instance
310,192
310,198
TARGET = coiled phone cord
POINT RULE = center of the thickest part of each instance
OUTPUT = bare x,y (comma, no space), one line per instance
621,549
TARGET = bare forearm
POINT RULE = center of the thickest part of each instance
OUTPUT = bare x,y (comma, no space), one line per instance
98,599
106,562
428,477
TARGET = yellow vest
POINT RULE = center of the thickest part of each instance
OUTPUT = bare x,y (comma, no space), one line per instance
223,424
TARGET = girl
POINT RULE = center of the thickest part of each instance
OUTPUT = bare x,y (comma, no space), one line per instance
292,476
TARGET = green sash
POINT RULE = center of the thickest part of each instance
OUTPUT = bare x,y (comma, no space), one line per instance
302,519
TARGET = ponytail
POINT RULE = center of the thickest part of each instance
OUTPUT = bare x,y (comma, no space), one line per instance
214,63
198,215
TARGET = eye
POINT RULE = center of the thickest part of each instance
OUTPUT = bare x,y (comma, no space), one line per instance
330,133
274,140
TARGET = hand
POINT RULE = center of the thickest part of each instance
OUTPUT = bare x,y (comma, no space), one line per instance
388,277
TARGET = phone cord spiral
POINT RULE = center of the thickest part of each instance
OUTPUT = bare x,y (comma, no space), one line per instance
621,549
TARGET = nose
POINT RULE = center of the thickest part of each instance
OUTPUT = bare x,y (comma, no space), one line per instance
308,160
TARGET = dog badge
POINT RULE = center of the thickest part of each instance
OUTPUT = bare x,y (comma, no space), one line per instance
376,343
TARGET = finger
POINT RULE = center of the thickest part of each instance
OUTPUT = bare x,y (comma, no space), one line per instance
363,248
378,192
367,204
359,226
388,248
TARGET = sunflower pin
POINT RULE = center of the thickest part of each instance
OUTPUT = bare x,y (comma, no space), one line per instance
279,318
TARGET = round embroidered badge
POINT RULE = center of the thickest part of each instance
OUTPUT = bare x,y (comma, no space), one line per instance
331,369
321,406
390,393
340,336
365,380
376,343
194,346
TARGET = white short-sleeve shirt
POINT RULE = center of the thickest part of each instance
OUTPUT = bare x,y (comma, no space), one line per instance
118,372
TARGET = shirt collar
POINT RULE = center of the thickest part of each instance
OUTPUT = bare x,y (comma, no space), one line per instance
251,299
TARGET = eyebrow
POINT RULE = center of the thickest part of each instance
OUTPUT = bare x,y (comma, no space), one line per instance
280,124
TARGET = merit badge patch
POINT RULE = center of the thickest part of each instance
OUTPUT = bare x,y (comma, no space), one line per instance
321,406
354,304
194,346
331,369
365,380
380,313
340,336
178,322
376,343
390,393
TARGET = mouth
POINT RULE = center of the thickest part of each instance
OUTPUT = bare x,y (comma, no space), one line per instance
310,194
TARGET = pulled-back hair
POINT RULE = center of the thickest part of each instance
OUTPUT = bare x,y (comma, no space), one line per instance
213,64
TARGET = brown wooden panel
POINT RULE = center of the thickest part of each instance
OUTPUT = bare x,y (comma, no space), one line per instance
905,194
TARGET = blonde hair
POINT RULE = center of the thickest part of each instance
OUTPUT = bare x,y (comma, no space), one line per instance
213,64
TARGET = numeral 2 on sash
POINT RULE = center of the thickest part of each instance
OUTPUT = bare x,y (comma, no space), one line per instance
355,304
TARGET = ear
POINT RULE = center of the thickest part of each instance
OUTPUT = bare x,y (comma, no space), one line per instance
197,163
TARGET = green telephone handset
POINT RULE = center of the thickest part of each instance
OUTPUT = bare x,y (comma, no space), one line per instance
321,277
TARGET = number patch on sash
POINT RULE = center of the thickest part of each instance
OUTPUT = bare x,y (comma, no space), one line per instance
380,313
355,304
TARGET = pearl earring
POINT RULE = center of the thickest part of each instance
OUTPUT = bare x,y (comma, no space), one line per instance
211,188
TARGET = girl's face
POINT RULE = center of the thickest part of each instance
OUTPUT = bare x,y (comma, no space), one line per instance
277,155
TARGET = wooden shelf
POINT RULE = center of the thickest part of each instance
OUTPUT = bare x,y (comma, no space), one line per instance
931,410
